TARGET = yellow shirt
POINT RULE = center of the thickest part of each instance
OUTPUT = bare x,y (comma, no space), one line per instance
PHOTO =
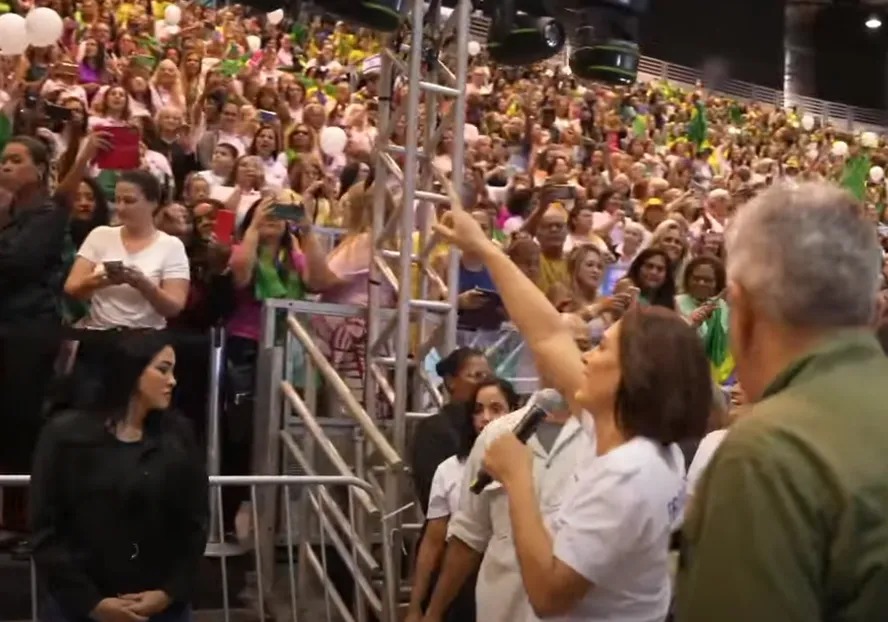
552,271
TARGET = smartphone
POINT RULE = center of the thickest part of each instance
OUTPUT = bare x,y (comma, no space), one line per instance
57,113
223,228
562,192
294,212
112,266
491,295
267,116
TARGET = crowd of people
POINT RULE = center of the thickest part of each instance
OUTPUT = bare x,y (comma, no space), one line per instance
161,177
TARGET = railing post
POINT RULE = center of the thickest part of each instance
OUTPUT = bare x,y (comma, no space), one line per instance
216,546
266,430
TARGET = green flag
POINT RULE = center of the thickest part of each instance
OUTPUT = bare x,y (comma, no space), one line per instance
5,130
736,113
696,131
639,126
297,34
855,175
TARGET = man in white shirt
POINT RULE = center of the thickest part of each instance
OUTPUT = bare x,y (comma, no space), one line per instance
481,526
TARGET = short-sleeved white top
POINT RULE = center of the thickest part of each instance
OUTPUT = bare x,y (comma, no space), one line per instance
614,528
122,305
702,458
445,491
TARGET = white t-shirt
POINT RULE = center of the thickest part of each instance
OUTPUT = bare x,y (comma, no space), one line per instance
614,528
702,458
444,495
122,305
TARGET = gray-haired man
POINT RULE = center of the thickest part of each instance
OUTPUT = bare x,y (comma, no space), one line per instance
790,521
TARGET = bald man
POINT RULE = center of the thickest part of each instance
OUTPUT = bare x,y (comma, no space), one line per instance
549,226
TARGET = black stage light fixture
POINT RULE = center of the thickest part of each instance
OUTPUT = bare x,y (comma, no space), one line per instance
603,36
378,15
520,39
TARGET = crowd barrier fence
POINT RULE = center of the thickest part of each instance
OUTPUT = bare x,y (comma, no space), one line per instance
291,436
295,601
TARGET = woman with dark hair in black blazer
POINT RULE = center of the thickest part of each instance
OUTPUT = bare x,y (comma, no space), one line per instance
119,497
492,398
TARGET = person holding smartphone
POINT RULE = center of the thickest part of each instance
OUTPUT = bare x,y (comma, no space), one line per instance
133,275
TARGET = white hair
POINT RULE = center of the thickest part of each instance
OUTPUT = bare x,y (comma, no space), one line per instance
807,255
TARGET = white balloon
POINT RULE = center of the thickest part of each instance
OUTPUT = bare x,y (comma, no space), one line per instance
471,133
275,17
840,148
474,48
869,140
13,35
877,174
44,27
333,141
808,122
172,15
254,43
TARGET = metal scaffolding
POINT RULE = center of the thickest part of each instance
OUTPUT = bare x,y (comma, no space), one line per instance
396,372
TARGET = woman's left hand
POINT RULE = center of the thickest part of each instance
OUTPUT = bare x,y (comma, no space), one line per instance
507,459
148,603
134,277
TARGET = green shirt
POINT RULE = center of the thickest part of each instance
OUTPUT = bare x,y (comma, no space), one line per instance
790,520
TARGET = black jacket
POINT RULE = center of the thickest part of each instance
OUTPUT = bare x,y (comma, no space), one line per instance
436,439
31,246
113,518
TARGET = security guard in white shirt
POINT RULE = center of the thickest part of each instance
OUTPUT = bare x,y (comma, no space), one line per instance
481,526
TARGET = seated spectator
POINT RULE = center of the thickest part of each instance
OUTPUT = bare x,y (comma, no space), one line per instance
125,475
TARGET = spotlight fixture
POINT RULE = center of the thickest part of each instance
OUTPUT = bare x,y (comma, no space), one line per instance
378,15
524,40
603,37
873,22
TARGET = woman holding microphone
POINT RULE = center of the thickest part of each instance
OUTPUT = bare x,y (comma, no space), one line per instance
646,386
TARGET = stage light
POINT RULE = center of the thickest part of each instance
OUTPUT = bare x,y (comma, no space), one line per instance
378,15
603,37
524,40
873,23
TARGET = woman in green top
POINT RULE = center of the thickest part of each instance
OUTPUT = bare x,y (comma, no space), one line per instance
704,307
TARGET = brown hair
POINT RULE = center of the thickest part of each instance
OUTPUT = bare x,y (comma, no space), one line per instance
665,391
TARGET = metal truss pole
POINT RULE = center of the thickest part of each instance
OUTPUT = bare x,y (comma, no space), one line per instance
430,84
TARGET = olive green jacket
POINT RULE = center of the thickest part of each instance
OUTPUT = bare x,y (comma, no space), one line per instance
790,521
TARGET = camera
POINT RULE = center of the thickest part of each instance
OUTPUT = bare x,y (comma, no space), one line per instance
603,37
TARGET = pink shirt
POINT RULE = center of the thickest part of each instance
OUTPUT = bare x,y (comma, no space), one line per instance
246,319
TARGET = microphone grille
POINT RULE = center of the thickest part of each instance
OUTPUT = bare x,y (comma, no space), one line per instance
550,400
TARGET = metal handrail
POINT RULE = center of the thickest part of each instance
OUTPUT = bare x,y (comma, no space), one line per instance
314,428
352,406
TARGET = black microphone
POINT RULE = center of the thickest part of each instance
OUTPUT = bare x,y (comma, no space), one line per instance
523,430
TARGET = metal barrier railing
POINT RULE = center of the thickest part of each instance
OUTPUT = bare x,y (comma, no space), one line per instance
508,356
290,436
296,604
